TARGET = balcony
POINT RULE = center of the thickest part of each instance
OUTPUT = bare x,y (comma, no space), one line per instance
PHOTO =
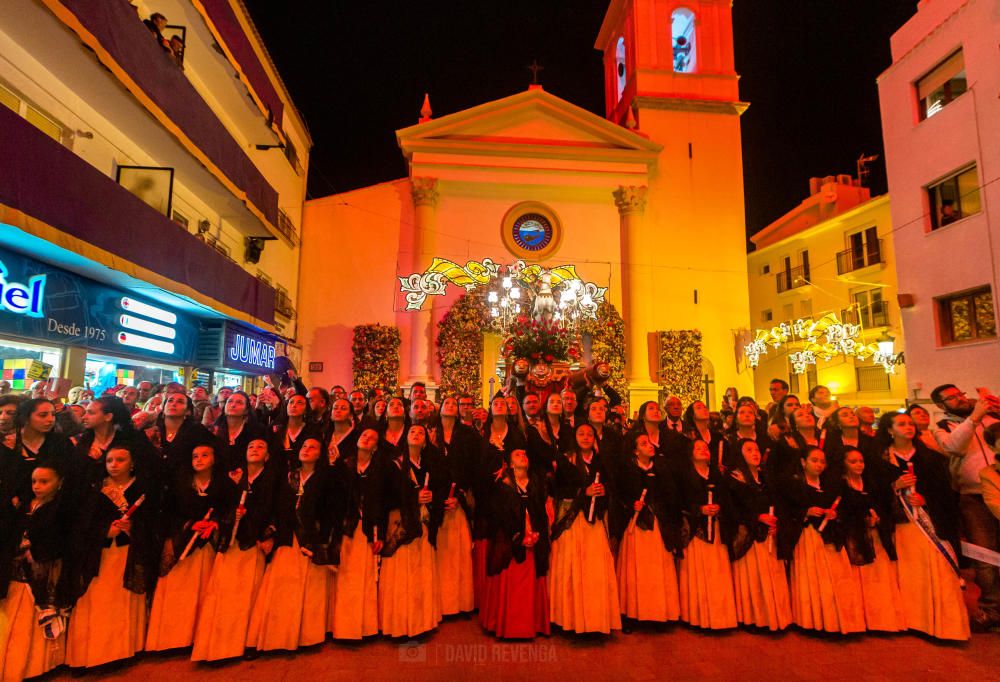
49,192
287,228
792,279
283,304
869,316
857,259
123,46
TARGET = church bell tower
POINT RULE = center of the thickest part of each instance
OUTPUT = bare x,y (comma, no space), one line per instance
670,76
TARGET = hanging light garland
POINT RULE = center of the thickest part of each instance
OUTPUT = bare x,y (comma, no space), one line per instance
822,339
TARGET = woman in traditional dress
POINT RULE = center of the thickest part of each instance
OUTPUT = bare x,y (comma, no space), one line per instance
454,538
826,593
408,591
843,433
705,577
235,428
32,620
698,426
583,589
291,606
247,539
393,432
864,512
792,447
35,440
499,440
783,416
517,598
544,438
924,512
289,432
174,436
117,564
647,574
201,500
344,434
108,424
354,613
759,579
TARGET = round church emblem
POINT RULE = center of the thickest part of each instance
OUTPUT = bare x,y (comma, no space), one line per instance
532,232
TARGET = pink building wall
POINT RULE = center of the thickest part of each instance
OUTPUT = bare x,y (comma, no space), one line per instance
965,254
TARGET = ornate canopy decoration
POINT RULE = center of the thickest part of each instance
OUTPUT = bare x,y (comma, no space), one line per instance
582,297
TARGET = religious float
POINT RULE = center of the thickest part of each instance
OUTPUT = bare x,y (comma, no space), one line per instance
542,316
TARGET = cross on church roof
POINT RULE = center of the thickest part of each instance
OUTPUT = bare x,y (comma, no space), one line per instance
534,68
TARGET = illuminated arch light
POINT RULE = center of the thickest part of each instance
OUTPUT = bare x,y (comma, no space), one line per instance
137,341
145,326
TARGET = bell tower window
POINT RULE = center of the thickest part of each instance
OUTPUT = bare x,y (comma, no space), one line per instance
683,31
620,67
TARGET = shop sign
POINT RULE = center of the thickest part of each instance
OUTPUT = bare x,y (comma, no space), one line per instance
248,350
41,302
22,299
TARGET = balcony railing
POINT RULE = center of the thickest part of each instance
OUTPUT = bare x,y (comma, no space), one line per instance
49,184
283,304
792,279
286,227
873,315
123,45
856,259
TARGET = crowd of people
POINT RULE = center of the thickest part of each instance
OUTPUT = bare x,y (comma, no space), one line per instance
155,518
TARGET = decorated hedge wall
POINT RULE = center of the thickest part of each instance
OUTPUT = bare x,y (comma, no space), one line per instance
681,364
376,357
607,343
460,345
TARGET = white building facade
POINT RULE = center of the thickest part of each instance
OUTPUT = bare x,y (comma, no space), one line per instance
941,124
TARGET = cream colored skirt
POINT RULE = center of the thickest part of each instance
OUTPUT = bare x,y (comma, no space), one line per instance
108,622
583,587
826,593
229,597
647,576
761,588
354,613
178,600
454,564
706,585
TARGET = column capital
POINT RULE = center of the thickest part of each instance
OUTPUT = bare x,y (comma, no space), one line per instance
630,199
425,191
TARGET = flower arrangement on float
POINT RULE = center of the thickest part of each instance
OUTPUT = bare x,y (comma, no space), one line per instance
541,341
376,357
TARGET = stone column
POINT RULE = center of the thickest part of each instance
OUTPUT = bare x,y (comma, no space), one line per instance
637,293
425,198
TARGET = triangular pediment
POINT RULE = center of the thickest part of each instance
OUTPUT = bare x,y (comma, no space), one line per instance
528,123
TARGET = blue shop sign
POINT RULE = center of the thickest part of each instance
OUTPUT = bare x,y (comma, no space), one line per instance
38,301
247,350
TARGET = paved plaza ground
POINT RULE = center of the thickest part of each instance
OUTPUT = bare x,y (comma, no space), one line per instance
459,650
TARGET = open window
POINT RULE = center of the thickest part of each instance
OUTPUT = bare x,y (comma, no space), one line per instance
944,83
620,67
682,23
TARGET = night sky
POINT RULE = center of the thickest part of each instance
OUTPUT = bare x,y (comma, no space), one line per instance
358,71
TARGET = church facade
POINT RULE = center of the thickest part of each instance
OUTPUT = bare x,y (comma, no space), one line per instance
646,201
